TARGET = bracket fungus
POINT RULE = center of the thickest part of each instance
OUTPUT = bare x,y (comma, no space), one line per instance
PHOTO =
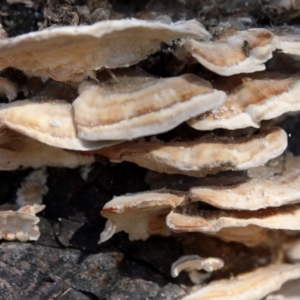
235,52
149,106
289,42
213,221
263,189
18,151
253,285
195,262
50,122
21,224
207,155
152,208
288,291
77,117
250,101
72,53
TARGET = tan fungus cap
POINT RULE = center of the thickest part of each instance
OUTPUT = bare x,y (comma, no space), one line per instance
265,188
137,106
207,155
235,52
70,53
18,151
251,101
251,286
212,221
140,215
50,122
21,224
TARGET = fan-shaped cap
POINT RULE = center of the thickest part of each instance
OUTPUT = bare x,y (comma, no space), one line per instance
250,101
18,151
189,219
50,122
147,209
21,224
207,155
289,41
251,286
137,106
264,188
288,291
70,53
195,262
235,52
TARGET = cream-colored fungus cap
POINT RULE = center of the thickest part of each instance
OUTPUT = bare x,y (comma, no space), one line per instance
289,40
251,286
207,155
140,215
135,106
265,188
251,100
19,151
50,122
21,224
187,219
71,52
289,291
235,51
195,262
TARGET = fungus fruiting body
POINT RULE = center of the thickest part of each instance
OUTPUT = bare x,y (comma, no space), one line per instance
95,95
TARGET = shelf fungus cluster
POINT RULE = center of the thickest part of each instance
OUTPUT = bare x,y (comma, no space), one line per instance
225,174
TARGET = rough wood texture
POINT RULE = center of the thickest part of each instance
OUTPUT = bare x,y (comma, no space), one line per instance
42,272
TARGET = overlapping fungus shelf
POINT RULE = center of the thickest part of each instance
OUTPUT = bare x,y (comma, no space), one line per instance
218,170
